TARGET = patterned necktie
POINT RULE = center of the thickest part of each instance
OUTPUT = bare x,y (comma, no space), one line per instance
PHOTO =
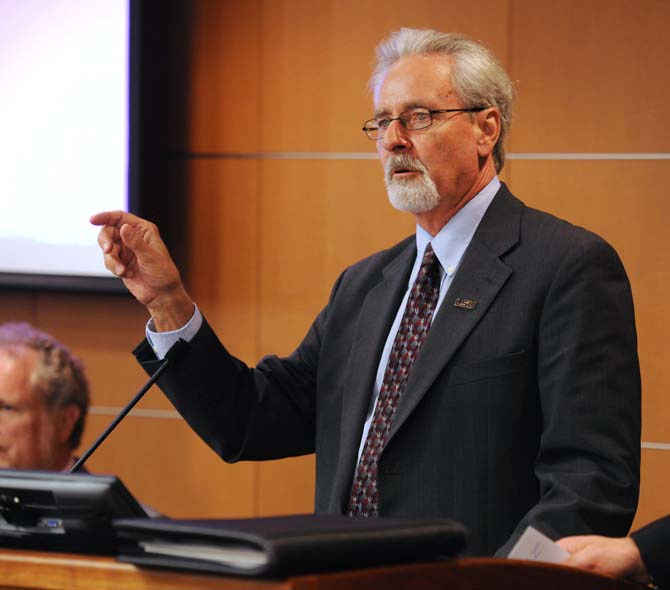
411,334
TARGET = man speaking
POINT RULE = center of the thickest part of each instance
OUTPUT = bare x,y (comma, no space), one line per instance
484,369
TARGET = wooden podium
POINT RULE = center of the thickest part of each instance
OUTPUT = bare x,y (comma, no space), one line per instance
60,571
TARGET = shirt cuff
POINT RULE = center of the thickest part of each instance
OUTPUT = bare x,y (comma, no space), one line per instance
162,342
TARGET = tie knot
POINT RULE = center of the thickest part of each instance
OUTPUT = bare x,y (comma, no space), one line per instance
430,268
430,265
429,257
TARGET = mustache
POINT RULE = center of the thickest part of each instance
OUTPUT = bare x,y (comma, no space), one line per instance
397,162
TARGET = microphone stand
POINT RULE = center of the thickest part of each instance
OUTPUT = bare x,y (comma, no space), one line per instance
175,353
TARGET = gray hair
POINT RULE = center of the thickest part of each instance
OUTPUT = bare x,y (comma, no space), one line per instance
477,77
59,375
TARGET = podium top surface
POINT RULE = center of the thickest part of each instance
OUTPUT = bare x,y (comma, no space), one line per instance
60,571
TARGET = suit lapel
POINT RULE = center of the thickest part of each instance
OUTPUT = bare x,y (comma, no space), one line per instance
480,277
376,317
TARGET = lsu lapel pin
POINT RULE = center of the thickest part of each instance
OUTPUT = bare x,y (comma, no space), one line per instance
465,303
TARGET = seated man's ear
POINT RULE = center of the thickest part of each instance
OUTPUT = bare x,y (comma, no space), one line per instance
65,419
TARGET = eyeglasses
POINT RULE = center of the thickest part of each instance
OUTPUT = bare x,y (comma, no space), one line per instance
412,120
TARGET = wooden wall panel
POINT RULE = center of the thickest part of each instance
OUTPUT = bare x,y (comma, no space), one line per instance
317,217
17,306
102,330
226,87
592,76
224,266
317,60
165,465
286,486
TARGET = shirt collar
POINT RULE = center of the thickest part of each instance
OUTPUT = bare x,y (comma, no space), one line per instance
451,242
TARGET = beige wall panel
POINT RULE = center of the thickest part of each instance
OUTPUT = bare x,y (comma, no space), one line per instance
317,58
17,306
654,488
625,203
592,75
225,92
317,217
102,330
223,267
286,486
165,465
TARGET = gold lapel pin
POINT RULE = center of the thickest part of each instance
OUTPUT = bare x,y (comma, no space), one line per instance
465,303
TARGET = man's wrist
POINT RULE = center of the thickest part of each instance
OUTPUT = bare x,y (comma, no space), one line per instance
171,311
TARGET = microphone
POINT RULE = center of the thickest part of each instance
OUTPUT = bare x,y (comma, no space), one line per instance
173,355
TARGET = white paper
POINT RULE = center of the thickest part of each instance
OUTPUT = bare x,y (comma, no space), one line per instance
534,546
242,557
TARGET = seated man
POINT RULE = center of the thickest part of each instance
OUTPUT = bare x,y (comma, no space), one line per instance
44,399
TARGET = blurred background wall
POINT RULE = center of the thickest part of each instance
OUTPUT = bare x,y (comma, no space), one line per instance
250,124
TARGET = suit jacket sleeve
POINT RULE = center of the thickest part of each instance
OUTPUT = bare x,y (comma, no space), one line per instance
241,412
653,541
588,380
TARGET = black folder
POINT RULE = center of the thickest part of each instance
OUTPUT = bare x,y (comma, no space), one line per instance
286,545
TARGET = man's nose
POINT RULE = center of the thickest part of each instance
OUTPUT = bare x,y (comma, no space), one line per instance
396,137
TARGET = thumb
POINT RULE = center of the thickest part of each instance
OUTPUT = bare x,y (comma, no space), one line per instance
132,237
142,240
576,543
136,248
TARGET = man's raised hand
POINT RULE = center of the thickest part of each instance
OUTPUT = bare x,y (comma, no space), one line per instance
134,251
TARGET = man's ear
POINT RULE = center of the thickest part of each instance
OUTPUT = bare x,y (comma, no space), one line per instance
488,124
66,417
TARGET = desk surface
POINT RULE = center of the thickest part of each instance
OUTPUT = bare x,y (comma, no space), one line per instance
60,571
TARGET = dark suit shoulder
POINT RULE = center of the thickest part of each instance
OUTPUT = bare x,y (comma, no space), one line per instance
369,271
528,228
383,257
545,225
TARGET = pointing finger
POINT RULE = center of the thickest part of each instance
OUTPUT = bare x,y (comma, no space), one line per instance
114,218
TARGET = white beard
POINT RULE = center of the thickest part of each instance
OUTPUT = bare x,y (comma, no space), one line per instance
414,195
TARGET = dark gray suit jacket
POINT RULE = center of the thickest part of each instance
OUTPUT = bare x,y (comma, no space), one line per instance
653,541
522,408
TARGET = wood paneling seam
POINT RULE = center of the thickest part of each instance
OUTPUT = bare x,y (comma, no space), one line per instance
374,156
173,415
137,413
656,446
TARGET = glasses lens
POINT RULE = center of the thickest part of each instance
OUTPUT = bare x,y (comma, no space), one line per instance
371,129
416,119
